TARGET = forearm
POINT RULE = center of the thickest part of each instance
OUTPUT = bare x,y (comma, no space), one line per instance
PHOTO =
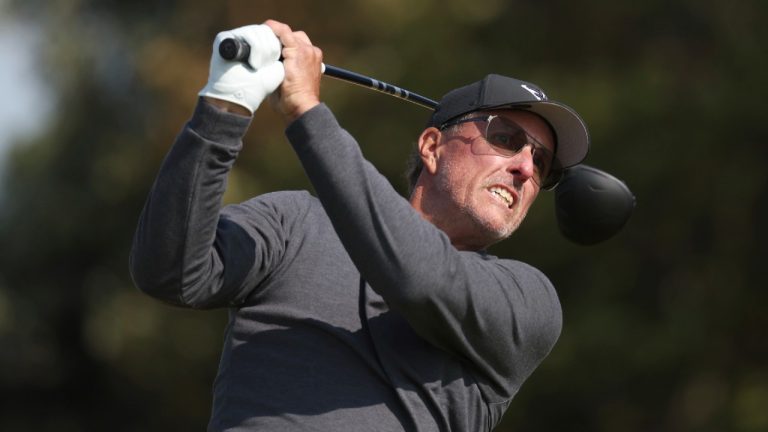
370,217
227,106
172,247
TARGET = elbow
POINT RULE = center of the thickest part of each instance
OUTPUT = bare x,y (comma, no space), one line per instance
165,282
141,275
152,280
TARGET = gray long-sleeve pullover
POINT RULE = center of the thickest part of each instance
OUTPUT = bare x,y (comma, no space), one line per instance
348,312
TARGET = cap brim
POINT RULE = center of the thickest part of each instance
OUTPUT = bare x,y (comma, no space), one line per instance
571,131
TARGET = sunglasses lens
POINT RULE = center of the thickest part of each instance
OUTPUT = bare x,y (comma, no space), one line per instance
507,138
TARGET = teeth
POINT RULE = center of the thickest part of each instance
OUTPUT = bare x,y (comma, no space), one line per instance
503,194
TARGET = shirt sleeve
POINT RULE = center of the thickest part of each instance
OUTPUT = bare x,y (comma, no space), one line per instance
186,251
502,316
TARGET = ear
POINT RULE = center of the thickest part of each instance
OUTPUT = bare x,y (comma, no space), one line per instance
428,144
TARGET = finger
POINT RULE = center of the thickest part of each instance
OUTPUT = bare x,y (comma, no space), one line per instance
303,54
271,76
282,31
289,39
302,37
278,27
318,53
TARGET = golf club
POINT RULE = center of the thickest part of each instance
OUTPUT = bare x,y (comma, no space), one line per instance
591,205
238,50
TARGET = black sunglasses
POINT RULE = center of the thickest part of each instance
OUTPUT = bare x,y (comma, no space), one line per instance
507,139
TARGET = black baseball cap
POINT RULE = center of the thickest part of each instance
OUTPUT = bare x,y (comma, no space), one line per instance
498,92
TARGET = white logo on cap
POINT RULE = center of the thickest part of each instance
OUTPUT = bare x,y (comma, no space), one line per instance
536,92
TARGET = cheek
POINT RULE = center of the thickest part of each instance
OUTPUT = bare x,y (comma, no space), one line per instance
459,162
530,194
458,174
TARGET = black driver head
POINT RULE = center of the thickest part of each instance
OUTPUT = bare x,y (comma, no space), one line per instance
591,205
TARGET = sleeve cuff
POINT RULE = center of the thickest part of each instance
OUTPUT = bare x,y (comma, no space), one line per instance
318,122
217,125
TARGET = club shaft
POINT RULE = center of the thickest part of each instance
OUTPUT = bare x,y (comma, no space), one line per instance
374,84
239,50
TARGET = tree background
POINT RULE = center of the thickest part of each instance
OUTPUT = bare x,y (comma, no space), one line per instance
665,324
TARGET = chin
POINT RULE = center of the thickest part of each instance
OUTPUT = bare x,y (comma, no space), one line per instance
496,232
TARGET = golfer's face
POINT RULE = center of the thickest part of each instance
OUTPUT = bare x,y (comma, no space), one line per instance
490,191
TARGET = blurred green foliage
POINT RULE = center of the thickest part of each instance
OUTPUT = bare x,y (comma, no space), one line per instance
665,324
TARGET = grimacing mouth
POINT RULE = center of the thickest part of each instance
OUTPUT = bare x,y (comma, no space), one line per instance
504,193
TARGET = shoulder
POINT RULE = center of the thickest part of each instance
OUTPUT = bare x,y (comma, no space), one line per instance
283,206
524,312
525,272
514,268
530,287
279,199
284,198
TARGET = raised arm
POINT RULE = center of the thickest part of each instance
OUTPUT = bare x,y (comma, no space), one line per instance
184,252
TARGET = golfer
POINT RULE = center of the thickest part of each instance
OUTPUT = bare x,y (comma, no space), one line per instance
357,309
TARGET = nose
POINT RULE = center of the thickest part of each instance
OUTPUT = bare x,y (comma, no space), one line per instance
521,165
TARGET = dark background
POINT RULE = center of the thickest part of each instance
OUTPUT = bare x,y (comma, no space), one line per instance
665,324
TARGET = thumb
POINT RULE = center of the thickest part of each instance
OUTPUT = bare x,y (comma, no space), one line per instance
271,76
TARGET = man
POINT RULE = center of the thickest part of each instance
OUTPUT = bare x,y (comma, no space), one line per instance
359,310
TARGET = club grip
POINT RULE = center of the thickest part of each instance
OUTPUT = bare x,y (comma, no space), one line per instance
233,49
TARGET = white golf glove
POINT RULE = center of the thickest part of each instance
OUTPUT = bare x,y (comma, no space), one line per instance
246,85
